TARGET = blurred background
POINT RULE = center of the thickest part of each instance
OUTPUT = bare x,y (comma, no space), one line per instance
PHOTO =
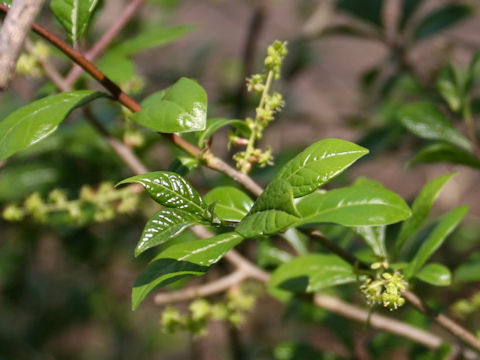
65,285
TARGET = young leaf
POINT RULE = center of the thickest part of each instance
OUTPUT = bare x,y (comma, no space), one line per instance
426,121
272,212
311,273
171,190
164,225
420,209
180,108
74,15
35,121
441,19
353,206
374,236
180,260
318,164
436,238
469,270
153,37
231,204
442,152
435,274
214,125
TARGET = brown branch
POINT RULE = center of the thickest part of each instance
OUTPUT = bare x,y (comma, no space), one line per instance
129,102
12,35
101,45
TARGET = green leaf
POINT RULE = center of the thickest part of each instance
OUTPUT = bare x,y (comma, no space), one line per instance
469,270
180,108
420,209
374,236
426,121
408,8
74,15
171,190
441,19
446,225
273,211
163,226
212,126
231,204
155,36
35,121
312,273
366,10
353,206
318,164
450,85
435,274
442,152
180,260
117,67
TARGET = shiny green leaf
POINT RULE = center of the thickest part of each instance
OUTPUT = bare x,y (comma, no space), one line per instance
353,206
180,260
180,108
35,121
74,15
213,125
426,121
272,212
442,152
374,236
442,18
435,239
171,190
318,164
435,274
469,270
153,37
312,273
163,226
231,204
420,209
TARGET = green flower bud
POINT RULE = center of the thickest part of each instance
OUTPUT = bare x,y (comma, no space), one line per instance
200,309
172,320
13,213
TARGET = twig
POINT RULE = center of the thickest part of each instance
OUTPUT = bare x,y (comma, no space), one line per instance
12,36
101,45
129,102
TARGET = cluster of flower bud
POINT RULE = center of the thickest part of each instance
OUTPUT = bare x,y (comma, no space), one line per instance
28,64
385,289
98,205
276,54
232,309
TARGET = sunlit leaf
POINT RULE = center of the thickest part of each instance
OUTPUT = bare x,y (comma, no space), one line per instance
231,204
35,121
180,260
435,274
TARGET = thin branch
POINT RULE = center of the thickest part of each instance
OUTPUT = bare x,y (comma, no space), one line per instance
209,289
101,45
12,36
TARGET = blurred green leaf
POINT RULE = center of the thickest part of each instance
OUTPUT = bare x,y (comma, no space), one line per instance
74,15
171,190
435,274
441,19
312,273
469,270
353,206
35,121
450,85
231,204
408,9
426,121
442,152
366,10
272,212
117,67
318,164
420,209
374,236
180,108
163,226
153,37
435,239
180,260
212,126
